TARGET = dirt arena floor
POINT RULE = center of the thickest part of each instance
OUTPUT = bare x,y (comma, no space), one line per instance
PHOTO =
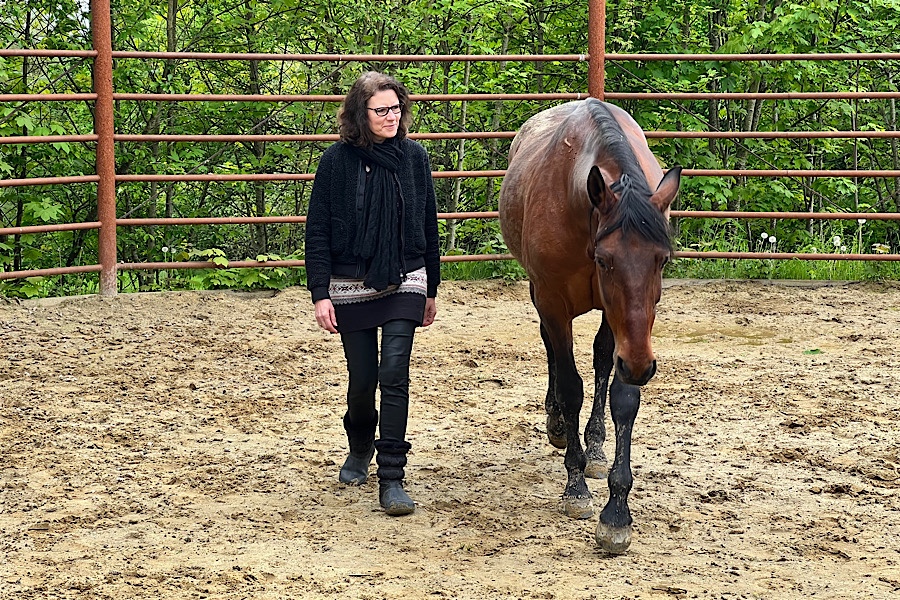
186,445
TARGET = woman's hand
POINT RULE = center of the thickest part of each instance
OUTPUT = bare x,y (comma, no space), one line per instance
430,312
325,315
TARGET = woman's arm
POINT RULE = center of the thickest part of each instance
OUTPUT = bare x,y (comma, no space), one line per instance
318,231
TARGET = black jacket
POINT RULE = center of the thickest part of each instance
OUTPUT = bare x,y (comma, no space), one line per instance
331,220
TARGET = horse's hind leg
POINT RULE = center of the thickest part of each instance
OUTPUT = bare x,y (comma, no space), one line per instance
595,432
614,528
556,424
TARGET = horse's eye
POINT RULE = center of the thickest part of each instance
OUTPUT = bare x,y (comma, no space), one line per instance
602,264
664,262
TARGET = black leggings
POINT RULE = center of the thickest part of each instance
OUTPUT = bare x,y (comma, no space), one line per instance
391,374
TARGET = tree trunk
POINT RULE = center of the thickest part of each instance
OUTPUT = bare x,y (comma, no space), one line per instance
494,144
260,241
23,151
460,165
895,153
540,16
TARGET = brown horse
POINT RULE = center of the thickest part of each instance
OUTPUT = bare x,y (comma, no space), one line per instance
584,208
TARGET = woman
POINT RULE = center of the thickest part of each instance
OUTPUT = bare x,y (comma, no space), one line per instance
373,261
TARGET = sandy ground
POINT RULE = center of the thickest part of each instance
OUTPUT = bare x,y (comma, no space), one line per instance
186,445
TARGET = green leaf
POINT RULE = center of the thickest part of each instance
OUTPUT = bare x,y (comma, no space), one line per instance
44,210
24,121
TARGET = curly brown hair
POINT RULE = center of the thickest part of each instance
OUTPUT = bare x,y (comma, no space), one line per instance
353,117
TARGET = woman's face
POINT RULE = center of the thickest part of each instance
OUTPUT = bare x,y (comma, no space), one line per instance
383,127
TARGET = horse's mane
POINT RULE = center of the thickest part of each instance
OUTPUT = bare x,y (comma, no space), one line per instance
634,213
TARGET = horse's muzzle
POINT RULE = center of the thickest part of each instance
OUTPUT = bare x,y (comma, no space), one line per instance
626,375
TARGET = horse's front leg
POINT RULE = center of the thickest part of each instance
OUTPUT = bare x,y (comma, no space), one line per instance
576,500
595,432
615,526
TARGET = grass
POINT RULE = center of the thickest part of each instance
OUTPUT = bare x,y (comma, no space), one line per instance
824,270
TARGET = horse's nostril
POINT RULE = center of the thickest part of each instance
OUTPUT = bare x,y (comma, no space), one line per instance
629,377
622,368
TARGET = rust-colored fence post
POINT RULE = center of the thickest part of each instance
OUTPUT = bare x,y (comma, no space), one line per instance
101,35
597,48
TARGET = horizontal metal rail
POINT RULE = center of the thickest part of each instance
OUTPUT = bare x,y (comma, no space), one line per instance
612,56
459,97
142,222
219,177
754,57
313,137
49,228
493,97
808,216
187,264
751,95
48,139
790,173
455,135
502,172
138,222
281,176
351,57
73,97
685,214
48,52
766,135
788,256
503,57
338,98
49,272
49,180
224,177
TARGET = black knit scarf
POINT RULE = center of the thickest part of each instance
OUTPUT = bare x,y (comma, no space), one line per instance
378,227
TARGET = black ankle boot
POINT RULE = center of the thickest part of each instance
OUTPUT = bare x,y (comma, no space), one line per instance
391,459
361,438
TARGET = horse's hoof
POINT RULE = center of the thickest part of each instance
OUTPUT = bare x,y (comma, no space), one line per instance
577,508
596,469
614,540
557,442
556,432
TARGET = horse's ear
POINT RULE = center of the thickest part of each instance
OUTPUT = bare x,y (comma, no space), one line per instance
667,189
596,188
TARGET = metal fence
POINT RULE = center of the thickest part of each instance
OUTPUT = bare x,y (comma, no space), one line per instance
105,138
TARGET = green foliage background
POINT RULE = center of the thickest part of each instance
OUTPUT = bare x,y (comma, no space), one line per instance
441,27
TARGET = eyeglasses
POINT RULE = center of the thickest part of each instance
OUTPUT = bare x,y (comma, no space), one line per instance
382,111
